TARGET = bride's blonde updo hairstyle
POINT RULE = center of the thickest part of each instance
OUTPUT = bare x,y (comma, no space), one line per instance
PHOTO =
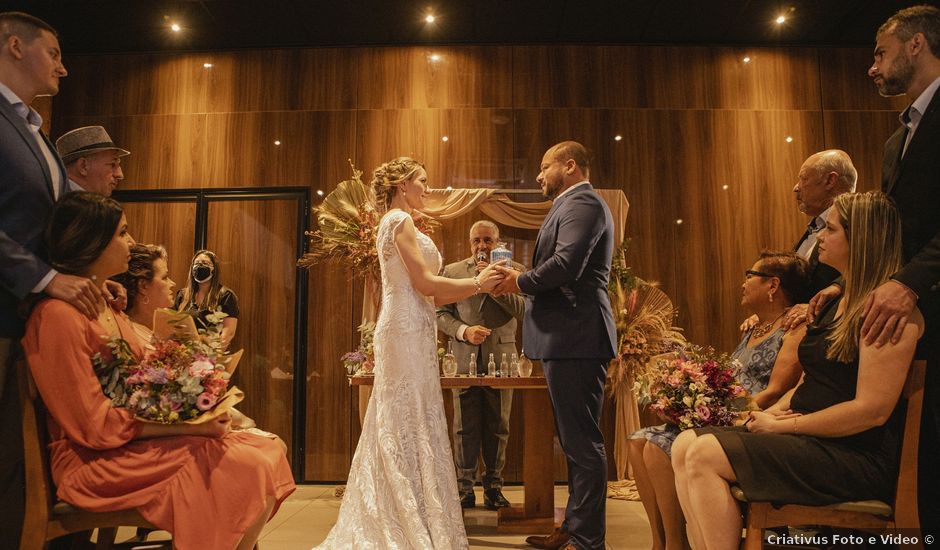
387,177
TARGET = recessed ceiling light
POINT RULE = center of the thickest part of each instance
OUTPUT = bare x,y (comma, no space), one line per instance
445,138
277,142
746,59
429,18
449,188
207,65
781,20
789,139
435,57
175,27
725,187
679,221
319,192
618,137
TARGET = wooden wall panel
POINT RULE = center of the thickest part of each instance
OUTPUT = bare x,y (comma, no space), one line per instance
134,84
167,151
477,153
280,80
664,77
693,120
255,243
846,85
313,151
434,77
862,134
170,224
332,406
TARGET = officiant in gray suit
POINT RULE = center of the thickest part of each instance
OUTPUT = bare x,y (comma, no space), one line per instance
483,325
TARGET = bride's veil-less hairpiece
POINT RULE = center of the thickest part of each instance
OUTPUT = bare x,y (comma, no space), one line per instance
387,176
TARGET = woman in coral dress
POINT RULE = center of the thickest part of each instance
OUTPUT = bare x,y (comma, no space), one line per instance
209,487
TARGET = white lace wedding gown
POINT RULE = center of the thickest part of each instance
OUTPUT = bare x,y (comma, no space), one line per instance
402,487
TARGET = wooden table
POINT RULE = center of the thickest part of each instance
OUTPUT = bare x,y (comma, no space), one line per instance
538,478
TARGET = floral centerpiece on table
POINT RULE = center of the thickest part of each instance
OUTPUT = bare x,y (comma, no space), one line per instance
362,360
184,378
347,223
693,388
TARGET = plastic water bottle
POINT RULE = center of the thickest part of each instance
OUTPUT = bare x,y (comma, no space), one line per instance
491,366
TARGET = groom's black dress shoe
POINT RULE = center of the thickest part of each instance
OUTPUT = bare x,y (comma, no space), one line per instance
468,500
493,499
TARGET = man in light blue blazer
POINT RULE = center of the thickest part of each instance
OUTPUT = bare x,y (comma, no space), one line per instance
569,325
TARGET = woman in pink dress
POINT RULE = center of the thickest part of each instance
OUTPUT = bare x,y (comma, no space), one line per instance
209,487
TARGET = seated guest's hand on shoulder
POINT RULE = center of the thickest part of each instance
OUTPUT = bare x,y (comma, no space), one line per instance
796,316
748,323
821,299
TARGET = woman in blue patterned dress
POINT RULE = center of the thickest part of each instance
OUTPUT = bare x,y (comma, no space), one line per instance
768,369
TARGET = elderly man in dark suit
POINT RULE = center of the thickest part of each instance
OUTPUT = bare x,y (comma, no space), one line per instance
569,325
822,177
31,179
907,61
481,324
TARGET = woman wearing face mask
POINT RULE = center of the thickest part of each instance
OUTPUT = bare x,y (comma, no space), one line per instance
205,295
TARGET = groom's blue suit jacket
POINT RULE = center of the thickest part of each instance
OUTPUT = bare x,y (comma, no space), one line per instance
568,313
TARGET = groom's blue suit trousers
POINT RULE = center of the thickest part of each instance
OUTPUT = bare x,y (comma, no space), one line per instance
576,388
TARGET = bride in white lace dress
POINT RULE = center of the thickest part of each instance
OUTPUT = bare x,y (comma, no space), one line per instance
402,488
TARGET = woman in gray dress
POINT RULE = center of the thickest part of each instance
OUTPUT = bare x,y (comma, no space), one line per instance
768,368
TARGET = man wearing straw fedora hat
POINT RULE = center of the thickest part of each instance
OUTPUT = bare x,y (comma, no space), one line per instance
92,160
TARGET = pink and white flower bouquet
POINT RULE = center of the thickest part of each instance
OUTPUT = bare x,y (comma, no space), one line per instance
186,378
693,388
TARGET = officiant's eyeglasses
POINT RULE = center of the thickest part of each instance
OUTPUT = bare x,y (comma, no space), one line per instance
751,273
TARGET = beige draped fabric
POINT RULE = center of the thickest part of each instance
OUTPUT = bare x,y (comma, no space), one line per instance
443,204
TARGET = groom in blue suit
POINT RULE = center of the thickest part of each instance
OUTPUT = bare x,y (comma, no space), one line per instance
569,325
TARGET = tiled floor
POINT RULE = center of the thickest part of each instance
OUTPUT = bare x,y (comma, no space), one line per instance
306,517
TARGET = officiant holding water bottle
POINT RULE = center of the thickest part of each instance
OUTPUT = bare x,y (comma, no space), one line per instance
479,326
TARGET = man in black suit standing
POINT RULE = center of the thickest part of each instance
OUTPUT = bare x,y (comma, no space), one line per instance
32,178
569,325
907,61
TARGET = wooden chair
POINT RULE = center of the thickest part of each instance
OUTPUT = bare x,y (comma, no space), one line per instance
863,515
46,518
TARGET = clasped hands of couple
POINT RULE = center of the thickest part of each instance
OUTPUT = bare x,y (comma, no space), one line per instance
886,313
497,279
